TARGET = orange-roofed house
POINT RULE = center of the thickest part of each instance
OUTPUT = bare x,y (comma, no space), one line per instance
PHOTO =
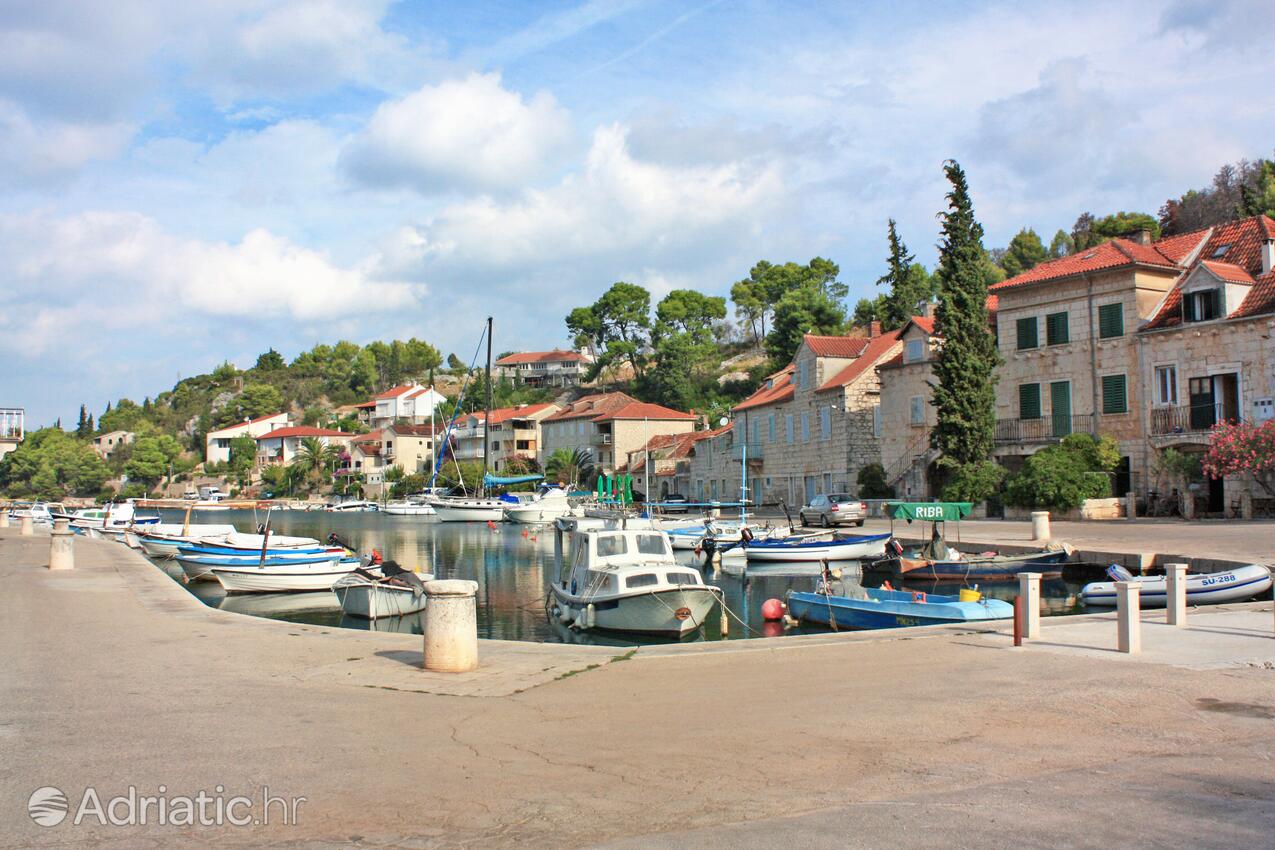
283,445
811,426
609,426
217,443
555,368
412,404
514,432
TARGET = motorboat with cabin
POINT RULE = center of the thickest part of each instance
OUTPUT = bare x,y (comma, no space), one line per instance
549,503
121,515
626,580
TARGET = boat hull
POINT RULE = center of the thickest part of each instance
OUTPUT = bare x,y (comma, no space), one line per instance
1000,567
669,613
533,513
408,510
284,578
372,600
848,549
478,511
889,613
1208,589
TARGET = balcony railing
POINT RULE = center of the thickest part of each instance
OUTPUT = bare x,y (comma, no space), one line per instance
600,439
1192,417
756,451
1044,429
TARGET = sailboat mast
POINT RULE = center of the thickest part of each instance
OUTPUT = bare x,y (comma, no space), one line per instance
487,414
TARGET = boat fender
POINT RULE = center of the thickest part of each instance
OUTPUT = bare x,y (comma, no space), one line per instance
590,616
772,609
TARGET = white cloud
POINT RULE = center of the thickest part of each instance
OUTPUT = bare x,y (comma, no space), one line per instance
86,275
34,152
470,133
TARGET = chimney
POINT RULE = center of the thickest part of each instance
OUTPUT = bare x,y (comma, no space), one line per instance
1268,256
1142,237
927,310
874,330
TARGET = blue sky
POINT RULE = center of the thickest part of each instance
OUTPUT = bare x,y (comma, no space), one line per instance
185,183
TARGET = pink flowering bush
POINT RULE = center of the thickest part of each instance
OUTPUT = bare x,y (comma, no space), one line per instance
1240,448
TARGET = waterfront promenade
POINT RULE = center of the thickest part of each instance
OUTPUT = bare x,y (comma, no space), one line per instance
915,738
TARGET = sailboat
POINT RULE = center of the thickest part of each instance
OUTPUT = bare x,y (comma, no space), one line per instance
476,508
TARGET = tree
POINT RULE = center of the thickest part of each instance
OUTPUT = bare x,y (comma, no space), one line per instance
867,311
872,483
453,362
1242,448
1061,477
1237,190
270,361
908,284
50,464
317,458
1025,252
83,429
965,389
570,468
1061,245
801,311
615,328
1089,232
243,456
126,416
750,307
152,458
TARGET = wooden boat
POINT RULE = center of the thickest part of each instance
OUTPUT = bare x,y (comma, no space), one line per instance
393,593
199,566
1045,562
888,609
275,578
842,548
627,581
1233,585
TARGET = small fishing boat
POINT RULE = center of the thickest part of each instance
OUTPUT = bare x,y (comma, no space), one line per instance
41,513
800,548
287,576
254,542
627,581
1234,585
111,516
162,541
393,593
690,537
889,609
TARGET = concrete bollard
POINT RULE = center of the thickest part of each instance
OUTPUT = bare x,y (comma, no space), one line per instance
4,517
1029,592
1130,506
1175,590
62,547
28,526
451,626
1129,617
1040,525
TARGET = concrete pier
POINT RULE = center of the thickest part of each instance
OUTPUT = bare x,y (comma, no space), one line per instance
572,746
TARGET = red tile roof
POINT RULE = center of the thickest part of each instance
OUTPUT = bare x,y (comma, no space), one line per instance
836,346
246,422
501,414
1108,255
395,392
643,410
416,430
776,388
876,350
591,406
1260,298
1228,272
1238,246
555,356
369,437
925,323
304,431
367,405
368,448
896,360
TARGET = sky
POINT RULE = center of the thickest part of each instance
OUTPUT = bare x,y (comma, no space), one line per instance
187,183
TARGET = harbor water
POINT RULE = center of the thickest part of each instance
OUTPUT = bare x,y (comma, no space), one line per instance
513,571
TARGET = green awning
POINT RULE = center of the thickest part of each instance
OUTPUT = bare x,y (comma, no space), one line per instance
929,511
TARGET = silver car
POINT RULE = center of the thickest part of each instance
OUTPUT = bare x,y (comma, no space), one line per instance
834,509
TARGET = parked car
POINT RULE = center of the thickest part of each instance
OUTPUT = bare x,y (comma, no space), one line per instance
834,509
674,503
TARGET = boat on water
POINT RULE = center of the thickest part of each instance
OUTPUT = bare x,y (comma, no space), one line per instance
467,509
407,508
353,506
253,542
41,513
627,581
287,576
548,504
1234,585
278,605
850,547
887,609
112,516
164,539
394,592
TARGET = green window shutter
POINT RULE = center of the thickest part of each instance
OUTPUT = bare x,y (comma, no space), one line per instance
1110,321
1216,297
1029,401
1027,336
1114,397
1056,329
1188,308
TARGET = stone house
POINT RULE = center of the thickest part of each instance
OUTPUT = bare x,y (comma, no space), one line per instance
907,414
515,433
814,424
669,469
217,443
106,444
610,426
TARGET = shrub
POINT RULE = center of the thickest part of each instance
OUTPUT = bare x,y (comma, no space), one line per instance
872,483
971,482
1062,476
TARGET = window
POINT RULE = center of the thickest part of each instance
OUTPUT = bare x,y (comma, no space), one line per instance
915,351
1029,401
712,488
1114,397
825,423
918,410
788,427
614,544
1110,321
1202,306
1027,335
1166,385
876,421
805,426
683,578
801,374
651,544
771,436
1056,329
643,580
1220,251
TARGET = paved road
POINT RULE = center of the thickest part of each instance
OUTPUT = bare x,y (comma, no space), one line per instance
904,740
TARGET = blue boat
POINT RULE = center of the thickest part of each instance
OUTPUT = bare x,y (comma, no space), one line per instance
281,551
805,548
890,609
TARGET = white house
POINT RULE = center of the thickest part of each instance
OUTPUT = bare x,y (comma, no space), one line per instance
217,443
411,403
282,445
12,420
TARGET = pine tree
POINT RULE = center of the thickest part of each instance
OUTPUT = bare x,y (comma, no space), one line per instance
965,392
908,290
82,429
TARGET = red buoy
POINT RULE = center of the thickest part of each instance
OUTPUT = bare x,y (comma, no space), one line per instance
772,609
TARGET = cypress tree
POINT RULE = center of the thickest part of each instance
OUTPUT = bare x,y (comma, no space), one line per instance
902,301
81,430
965,392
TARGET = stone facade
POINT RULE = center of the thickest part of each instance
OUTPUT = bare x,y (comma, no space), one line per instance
610,426
907,414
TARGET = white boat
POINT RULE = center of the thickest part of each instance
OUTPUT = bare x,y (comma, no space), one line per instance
254,542
354,506
628,581
408,508
1233,585
393,594
462,509
162,540
546,506
801,548
283,577
111,516
41,513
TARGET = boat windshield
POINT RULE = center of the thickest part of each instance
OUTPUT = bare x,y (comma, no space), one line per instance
651,544
612,544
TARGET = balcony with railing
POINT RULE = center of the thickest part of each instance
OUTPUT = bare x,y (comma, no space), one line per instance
1188,418
756,451
600,438
1043,429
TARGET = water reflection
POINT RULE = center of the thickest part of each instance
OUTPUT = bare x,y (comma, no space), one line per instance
513,566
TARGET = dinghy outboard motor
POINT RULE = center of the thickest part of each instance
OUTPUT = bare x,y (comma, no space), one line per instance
334,540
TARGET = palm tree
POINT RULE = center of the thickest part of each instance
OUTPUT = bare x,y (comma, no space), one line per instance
570,467
317,456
